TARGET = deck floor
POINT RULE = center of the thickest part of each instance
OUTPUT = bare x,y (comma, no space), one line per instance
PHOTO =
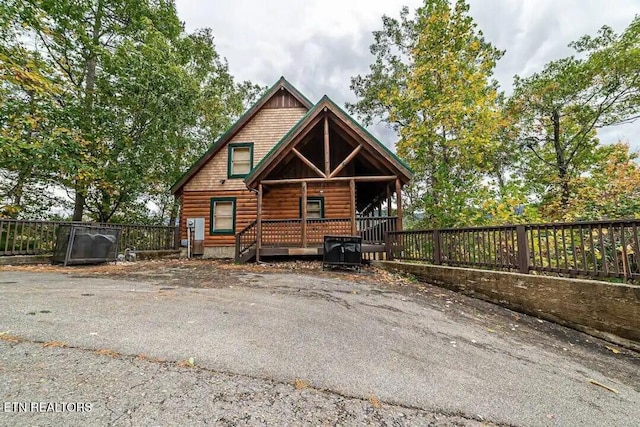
313,250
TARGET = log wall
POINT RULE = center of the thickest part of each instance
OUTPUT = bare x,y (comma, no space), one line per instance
283,202
197,204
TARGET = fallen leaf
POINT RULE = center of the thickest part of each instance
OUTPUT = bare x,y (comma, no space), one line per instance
375,402
54,344
613,349
300,384
107,352
187,363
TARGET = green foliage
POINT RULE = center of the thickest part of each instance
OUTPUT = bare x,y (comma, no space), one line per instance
112,101
431,83
611,190
559,109
480,159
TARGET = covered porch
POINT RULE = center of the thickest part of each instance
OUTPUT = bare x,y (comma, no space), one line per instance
285,237
327,176
368,217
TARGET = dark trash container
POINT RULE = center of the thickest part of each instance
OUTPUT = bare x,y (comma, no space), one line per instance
342,251
86,244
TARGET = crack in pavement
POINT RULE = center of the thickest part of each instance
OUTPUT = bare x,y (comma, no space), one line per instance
165,365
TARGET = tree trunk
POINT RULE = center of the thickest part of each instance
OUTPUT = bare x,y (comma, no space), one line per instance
90,67
18,191
174,211
560,160
78,205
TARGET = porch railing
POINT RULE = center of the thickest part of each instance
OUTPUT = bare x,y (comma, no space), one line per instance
373,228
30,237
318,228
246,239
288,232
281,232
591,249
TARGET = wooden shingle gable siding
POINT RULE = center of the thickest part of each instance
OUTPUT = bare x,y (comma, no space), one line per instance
298,100
266,128
283,99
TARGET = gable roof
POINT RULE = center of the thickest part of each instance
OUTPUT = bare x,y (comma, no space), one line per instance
282,83
397,163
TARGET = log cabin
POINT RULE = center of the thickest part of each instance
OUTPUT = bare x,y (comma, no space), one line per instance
286,174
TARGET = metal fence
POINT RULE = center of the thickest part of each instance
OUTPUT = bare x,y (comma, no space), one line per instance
590,249
26,237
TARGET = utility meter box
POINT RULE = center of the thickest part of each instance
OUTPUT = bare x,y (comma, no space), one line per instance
196,227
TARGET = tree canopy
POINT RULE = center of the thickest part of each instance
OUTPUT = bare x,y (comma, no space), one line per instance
431,82
108,100
480,156
559,109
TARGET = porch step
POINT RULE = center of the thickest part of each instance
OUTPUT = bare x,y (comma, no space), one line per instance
247,256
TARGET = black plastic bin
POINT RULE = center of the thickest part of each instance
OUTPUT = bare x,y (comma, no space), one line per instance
342,251
86,244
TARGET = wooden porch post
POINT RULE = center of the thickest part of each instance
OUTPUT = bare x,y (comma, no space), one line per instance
259,224
388,200
303,206
327,159
399,204
352,188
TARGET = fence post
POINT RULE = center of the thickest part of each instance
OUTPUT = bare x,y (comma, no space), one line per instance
437,252
238,242
176,238
387,246
523,249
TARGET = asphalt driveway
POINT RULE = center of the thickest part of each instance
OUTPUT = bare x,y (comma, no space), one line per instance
196,343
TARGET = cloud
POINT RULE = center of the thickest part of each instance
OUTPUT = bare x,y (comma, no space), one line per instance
319,45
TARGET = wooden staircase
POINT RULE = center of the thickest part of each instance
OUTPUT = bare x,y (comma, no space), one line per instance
247,256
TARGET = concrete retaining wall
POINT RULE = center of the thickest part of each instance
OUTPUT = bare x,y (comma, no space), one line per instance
606,310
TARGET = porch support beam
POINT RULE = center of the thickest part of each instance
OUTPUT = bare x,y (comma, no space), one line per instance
259,224
327,158
346,161
308,162
352,190
388,200
399,204
375,162
373,178
303,206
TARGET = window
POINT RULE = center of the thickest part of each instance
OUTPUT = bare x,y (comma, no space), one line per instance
223,216
240,159
315,207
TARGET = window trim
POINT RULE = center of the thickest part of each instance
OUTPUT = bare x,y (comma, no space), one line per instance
312,199
212,203
233,145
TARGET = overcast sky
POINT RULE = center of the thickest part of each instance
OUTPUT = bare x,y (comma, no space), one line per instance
318,45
